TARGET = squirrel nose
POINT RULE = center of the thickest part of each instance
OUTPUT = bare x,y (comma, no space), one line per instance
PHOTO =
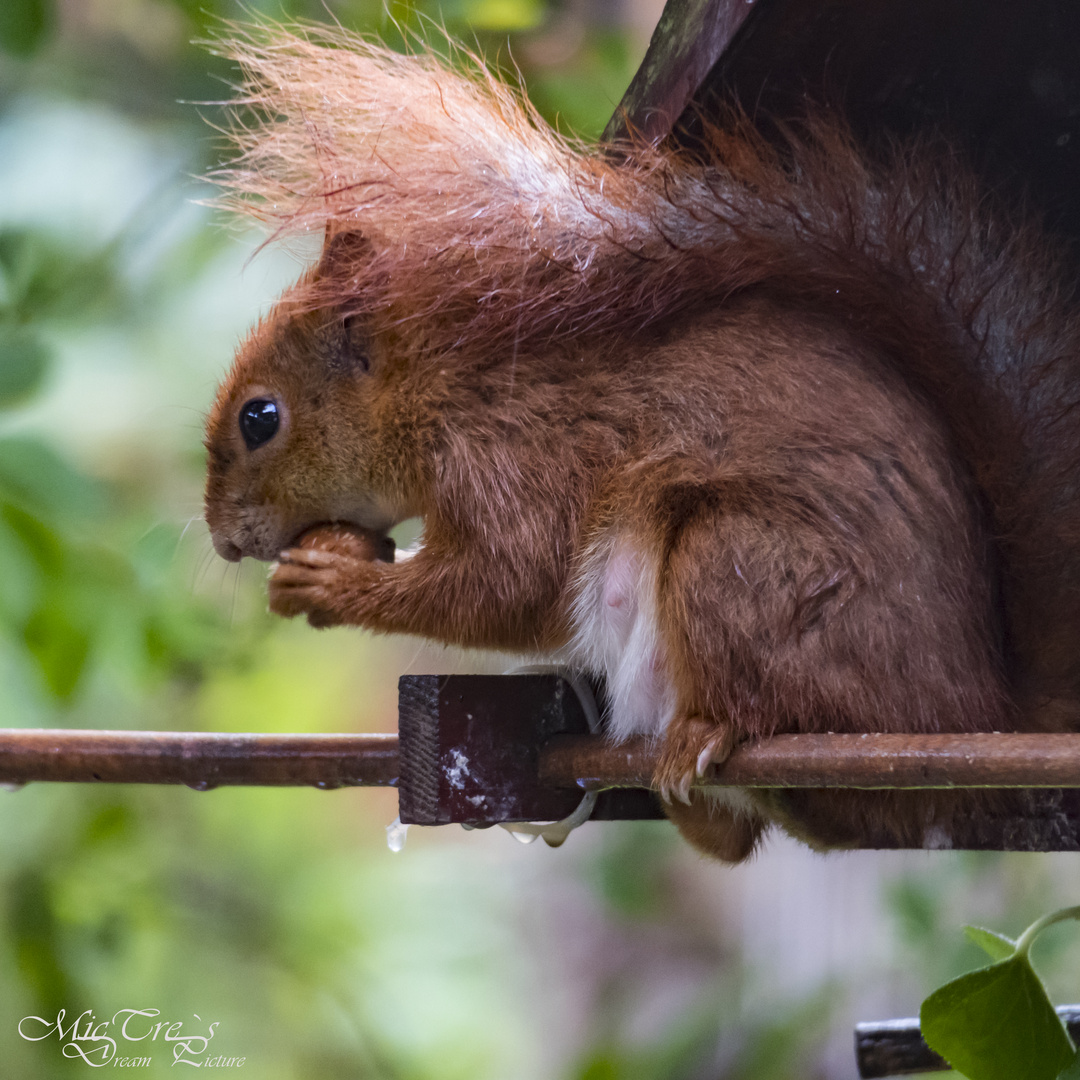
227,549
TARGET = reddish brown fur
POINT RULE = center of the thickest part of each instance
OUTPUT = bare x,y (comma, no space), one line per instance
835,405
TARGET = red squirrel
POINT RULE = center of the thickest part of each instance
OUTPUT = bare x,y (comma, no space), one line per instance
774,438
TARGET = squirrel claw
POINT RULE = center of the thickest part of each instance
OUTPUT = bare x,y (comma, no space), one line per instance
715,748
309,557
689,739
679,791
674,788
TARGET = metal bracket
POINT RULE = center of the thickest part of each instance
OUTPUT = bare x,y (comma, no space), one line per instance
470,751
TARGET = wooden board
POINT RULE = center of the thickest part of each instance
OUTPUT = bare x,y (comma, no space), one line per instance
1000,78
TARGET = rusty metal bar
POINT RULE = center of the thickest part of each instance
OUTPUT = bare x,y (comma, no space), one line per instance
205,760
853,761
198,759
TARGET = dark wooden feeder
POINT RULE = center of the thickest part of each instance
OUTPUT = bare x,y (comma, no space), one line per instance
1002,80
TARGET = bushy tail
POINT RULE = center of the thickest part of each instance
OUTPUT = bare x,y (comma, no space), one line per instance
473,206
483,219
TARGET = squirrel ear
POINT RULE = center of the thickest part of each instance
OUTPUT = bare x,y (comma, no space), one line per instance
357,343
344,343
342,251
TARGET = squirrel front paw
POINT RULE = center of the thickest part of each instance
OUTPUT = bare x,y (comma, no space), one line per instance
691,744
316,577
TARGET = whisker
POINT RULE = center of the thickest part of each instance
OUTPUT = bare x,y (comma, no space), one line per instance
415,656
202,568
235,595
184,532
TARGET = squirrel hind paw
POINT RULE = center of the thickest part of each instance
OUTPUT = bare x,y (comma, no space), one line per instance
691,744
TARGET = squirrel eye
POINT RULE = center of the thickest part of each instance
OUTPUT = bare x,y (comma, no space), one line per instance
259,420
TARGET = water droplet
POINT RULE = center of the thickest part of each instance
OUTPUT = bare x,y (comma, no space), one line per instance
524,837
395,835
12,785
202,785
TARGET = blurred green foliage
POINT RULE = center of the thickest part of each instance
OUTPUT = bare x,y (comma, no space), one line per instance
281,914
24,25
73,593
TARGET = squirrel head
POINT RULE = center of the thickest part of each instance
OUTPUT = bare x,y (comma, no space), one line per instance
317,422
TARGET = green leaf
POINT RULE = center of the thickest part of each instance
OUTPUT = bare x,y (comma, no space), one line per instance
1072,1070
24,25
39,541
40,480
997,1024
60,648
996,945
44,277
19,577
503,15
1027,938
24,359
600,1068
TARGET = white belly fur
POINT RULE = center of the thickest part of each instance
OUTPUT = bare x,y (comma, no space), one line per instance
616,637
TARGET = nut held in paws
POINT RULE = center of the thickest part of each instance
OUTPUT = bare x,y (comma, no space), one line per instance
362,543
